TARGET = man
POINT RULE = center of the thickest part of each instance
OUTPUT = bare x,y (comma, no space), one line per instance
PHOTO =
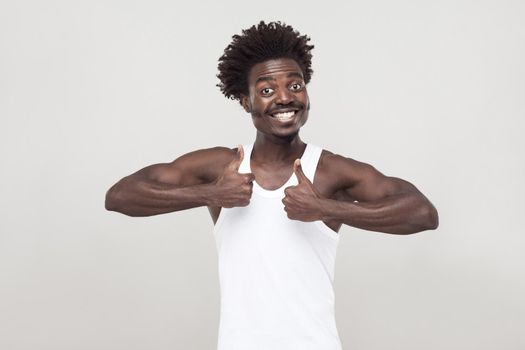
277,204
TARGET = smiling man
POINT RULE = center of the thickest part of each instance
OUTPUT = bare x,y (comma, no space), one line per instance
278,203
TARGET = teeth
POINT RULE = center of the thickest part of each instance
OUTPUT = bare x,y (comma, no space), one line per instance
284,116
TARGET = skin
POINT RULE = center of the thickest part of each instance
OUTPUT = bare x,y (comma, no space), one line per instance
345,191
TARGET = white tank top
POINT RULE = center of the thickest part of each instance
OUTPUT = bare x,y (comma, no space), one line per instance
276,274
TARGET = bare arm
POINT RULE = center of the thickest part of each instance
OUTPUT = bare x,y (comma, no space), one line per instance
204,177
167,187
384,204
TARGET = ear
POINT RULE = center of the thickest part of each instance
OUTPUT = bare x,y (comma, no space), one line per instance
245,102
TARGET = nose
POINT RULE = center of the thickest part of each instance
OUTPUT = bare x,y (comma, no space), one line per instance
283,97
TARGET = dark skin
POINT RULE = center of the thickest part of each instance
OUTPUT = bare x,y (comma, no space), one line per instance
345,191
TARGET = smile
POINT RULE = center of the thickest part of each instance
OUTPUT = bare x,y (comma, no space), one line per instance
284,116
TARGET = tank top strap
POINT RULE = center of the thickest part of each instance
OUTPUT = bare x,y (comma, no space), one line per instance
245,165
309,161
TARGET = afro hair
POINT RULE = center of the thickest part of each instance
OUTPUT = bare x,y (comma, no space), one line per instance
257,44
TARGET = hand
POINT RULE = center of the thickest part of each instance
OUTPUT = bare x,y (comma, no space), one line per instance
301,202
233,189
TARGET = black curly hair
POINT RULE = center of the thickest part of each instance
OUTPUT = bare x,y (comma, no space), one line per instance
257,44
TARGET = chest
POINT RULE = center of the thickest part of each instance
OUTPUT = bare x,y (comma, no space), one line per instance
274,177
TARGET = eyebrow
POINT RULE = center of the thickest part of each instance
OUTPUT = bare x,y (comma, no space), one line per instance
272,78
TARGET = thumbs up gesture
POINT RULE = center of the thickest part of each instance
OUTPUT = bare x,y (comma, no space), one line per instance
302,202
232,189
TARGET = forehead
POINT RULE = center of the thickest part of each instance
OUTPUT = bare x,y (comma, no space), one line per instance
273,68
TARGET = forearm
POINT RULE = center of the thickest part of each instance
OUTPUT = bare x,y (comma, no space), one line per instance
397,214
146,198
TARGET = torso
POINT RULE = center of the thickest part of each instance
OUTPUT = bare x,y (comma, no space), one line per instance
324,182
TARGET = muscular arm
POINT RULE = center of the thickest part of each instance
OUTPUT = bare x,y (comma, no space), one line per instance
185,183
384,204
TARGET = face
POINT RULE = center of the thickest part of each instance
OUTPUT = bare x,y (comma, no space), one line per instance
277,101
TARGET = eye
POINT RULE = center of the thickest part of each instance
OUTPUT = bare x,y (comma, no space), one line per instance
266,91
296,86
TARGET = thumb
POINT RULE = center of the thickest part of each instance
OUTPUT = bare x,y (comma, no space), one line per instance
236,162
298,170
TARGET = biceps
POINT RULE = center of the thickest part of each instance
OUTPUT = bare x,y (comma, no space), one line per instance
374,186
161,172
175,174
166,174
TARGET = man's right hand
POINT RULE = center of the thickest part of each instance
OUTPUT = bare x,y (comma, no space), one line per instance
233,189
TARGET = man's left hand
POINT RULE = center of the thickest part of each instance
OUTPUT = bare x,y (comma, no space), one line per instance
302,202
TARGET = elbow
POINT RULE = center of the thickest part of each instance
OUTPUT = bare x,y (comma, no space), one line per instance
112,199
435,220
117,200
424,218
109,203
430,217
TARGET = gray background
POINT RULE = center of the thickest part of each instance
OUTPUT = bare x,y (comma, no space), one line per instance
432,92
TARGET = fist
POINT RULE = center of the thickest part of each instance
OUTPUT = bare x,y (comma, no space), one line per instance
302,202
233,189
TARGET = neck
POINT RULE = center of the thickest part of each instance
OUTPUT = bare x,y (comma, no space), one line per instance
271,149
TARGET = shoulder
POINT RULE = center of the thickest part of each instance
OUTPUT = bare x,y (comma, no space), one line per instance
336,161
215,154
198,166
360,180
207,156
208,162
344,171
